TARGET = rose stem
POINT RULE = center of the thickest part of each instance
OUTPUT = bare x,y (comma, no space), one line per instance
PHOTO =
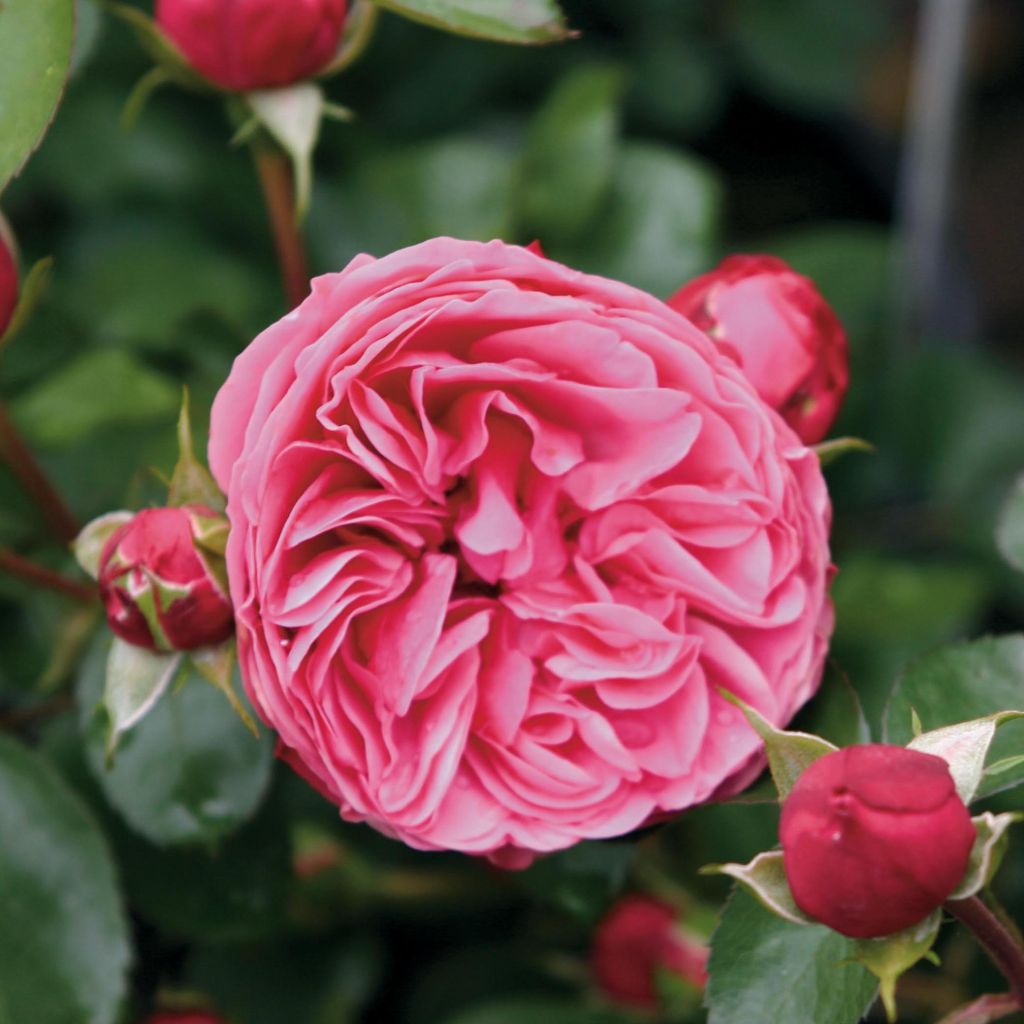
993,937
277,182
23,464
40,576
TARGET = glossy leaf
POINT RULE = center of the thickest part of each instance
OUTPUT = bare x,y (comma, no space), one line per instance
503,21
963,682
35,40
63,935
189,772
771,971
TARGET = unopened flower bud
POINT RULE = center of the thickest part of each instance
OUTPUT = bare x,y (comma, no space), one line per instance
776,325
242,45
874,838
162,579
8,276
637,938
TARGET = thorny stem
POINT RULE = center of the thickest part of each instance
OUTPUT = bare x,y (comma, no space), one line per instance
994,938
277,182
40,576
23,464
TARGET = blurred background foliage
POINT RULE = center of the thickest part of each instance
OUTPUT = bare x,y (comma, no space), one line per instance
670,133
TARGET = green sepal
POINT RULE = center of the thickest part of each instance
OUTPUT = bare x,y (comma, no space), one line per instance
829,451
292,117
30,292
987,852
217,666
160,48
155,78
765,877
964,747
890,956
502,21
153,600
191,482
360,23
88,545
136,679
789,753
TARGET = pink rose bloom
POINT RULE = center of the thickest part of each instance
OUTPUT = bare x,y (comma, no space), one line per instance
775,323
499,531
254,44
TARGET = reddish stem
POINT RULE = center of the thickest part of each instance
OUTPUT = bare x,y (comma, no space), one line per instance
994,938
278,184
40,576
23,464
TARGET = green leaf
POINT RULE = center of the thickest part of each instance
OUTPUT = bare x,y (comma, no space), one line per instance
63,936
768,970
660,226
102,387
189,772
503,21
789,753
765,878
234,890
889,957
293,116
964,747
569,154
35,39
960,683
987,852
136,679
1010,528
834,713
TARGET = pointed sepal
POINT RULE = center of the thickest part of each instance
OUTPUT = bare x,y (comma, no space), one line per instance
789,753
292,117
829,451
765,877
359,26
890,956
88,546
987,852
964,747
217,666
30,292
191,483
136,679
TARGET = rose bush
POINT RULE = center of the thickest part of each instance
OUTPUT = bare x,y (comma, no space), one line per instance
778,327
160,582
254,44
874,838
500,530
637,938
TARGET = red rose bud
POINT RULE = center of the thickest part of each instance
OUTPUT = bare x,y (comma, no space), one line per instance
254,44
776,325
8,276
162,579
874,838
638,937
